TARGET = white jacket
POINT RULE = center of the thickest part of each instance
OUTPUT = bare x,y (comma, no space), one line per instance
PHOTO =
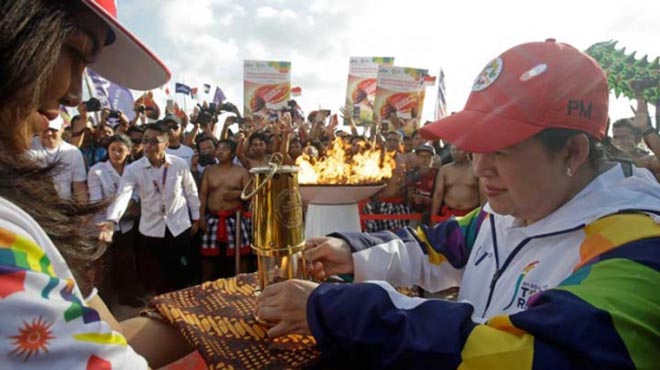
533,267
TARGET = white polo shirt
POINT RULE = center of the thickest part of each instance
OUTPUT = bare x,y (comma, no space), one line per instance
102,183
70,168
183,151
166,193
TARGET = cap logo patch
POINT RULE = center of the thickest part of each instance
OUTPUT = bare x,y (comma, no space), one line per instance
540,68
488,75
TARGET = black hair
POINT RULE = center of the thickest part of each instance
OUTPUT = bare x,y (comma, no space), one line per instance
120,138
554,139
135,129
170,119
258,135
32,35
158,126
202,138
232,144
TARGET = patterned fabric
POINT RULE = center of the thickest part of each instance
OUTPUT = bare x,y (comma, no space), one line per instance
217,318
386,208
44,323
216,235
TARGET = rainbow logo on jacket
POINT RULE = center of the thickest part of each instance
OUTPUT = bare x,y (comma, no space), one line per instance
526,290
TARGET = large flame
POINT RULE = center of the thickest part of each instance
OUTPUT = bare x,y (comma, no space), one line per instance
369,166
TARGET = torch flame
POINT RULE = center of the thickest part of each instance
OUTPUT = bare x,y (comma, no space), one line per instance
369,166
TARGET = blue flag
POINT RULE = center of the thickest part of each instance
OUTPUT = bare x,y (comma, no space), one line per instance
219,96
182,89
112,95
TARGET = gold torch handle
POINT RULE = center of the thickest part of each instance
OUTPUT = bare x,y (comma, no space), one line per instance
274,164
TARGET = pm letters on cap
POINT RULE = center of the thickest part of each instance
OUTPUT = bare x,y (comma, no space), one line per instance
579,107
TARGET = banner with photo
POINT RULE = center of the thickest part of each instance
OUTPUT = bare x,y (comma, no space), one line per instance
266,87
400,91
361,90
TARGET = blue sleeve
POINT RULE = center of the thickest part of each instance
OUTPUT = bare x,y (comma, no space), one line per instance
370,327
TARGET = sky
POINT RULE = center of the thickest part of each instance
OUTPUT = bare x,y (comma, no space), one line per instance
206,41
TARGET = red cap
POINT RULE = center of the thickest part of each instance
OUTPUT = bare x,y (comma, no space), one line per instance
528,88
126,61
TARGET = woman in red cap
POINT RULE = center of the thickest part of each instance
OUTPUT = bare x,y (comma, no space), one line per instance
49,317
558,270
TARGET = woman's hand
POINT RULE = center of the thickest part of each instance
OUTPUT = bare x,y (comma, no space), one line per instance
105,230
285,304
328,256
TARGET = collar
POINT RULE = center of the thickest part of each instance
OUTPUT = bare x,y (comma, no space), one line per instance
610,192
147,164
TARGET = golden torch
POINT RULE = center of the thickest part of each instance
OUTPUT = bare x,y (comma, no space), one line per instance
277,222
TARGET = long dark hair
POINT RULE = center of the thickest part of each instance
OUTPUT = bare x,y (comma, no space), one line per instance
32,33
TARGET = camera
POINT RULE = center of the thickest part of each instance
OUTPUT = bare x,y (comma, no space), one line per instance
204,117
293,109
228,107
231,108
114,114
92,105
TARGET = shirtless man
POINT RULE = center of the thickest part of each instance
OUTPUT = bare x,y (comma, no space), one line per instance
219,196
457,190
258,144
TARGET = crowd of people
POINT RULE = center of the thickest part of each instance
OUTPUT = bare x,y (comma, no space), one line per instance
175,184
552,233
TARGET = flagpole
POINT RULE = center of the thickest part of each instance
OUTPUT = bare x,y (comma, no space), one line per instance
185,108
91,94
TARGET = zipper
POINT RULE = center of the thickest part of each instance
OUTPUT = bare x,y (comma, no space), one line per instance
499,271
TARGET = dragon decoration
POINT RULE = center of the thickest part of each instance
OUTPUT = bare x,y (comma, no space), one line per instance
625,73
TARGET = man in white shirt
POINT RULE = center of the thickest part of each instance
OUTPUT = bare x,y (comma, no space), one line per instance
167,193
70,175
174,146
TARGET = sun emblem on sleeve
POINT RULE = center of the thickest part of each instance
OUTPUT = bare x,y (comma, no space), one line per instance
33,338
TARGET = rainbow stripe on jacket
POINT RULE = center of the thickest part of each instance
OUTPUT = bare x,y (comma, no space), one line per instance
605,315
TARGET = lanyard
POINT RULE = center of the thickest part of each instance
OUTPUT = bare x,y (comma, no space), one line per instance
161,190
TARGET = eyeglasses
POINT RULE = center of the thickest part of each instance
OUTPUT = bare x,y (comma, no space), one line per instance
172,127
136,141
152,141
